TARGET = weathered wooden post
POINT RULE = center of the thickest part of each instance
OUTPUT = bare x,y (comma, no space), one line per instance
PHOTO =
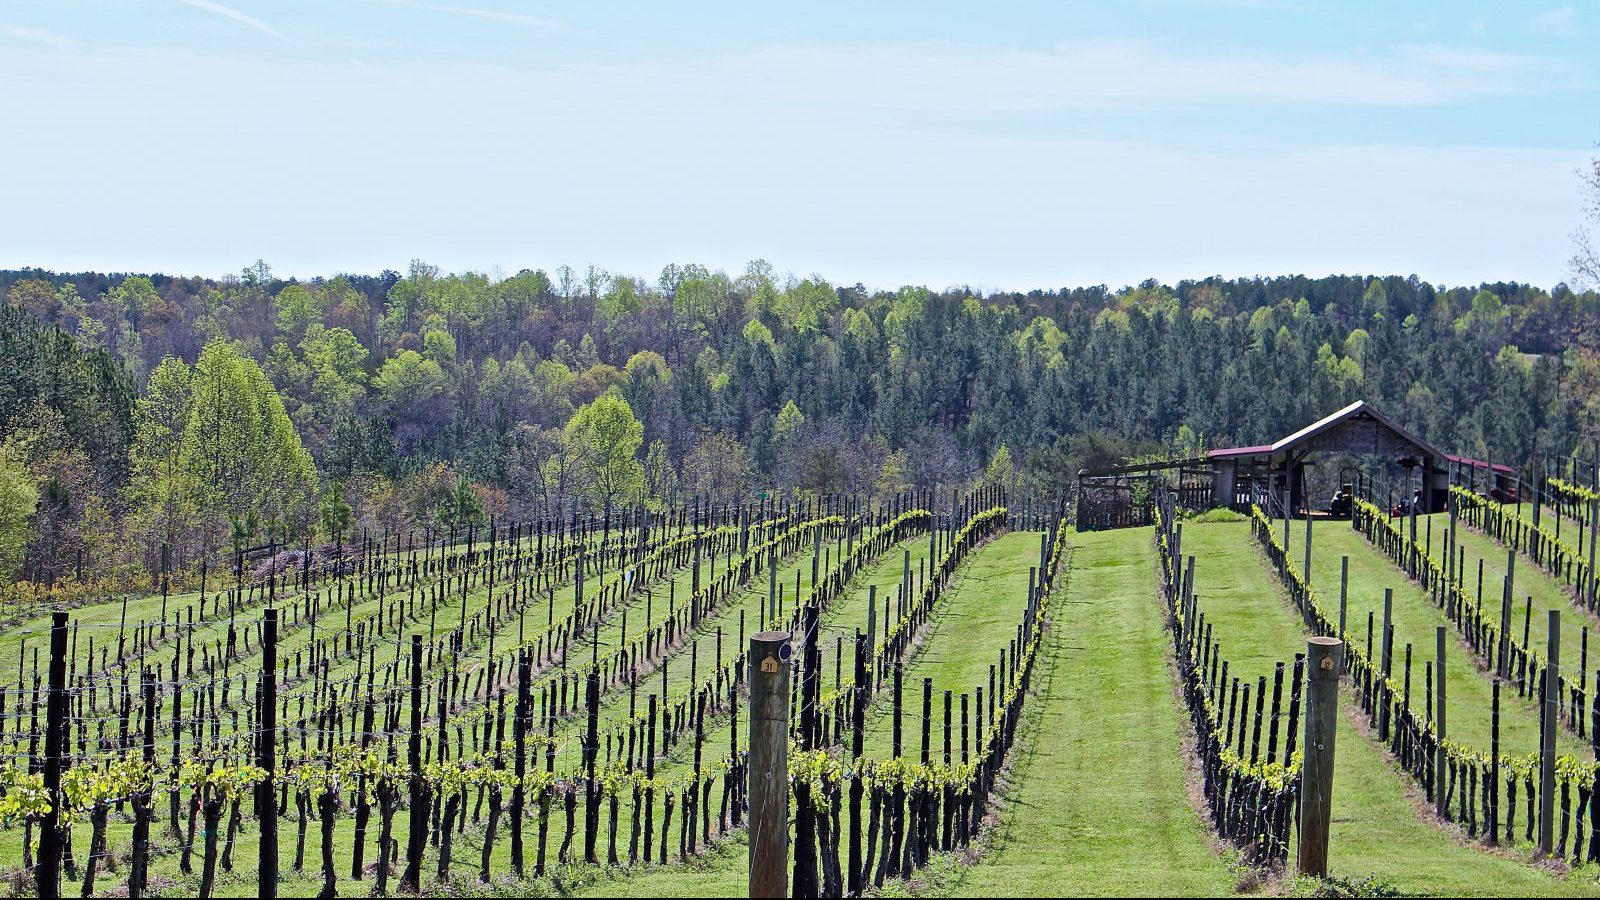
1324,656
417,833
1511,576
267,757
1547,737
1452,574
1344,593
769,613
1386,648
769,764
47,873
1283,563
1439,682
1308,549
1589,594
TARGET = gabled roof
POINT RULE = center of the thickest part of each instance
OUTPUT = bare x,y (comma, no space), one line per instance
1354,410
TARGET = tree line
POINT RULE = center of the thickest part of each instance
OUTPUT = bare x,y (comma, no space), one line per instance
151,421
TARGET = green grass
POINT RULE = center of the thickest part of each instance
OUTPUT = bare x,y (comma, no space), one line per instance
1219,514
1378,829
1529,582
976,618
1104,700
1415,617
721,872
986,572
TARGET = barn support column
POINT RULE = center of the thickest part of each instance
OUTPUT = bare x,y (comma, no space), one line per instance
1223,482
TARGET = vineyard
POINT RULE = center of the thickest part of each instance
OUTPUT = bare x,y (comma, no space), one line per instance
982,700
513,449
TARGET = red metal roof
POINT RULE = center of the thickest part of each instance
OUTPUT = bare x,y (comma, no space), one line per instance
1481,464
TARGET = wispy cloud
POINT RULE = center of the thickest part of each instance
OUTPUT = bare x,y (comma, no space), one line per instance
1378,207
1559,22
228,12
947,80
493,15
37,35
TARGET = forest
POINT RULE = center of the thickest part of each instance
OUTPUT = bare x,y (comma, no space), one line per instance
151,423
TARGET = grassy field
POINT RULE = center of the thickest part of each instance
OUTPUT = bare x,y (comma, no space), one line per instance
1414,618
968,628
1532,588
1104,697
1098,798
1380,829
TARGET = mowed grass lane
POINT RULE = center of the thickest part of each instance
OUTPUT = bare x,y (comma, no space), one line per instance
1098,803
1377,829
723,872
977,617
1470,689
1529,583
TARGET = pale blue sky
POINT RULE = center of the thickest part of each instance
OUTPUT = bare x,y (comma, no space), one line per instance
1012,146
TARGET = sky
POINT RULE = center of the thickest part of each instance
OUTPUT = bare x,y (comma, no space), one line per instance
1002,146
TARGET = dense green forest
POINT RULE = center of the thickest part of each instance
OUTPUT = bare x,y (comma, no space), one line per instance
149,421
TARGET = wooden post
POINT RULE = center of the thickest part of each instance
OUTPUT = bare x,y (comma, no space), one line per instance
47,873
1323,659
1547,737
591,753
1588,595
1511,575
1288,476
872,618
1439,719
1344,593
138,875
769,764
1502,659
1308,549
267,757
1494,767
1386,651
417,834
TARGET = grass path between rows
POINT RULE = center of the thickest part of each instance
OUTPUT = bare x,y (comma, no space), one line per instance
971,623
1378,830
1105,703
1529,583
1470,687
969,627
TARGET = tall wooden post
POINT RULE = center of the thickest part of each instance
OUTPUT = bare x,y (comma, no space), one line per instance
591,754
1511,576
1547,737
1344,593
267,757
1288,477
1594,535
1502,659
417,835
1386,651
1308,549
769,615
769,764
1439,682
1323,665
138,874
47,874
1452,574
